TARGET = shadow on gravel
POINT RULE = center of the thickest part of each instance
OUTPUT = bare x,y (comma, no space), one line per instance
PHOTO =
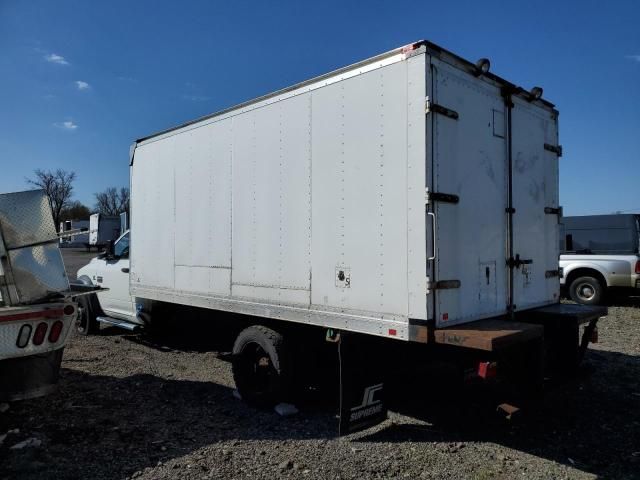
591,423
107,427
621,300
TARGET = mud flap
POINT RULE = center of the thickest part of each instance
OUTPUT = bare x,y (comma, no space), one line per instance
29,377
362,383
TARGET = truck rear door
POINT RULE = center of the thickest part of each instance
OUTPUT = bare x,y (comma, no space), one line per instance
467,180
534,138
492,201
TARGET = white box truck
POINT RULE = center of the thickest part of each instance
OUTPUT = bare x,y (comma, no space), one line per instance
412,196
102,230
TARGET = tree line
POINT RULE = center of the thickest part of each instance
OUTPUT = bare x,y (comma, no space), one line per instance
58,185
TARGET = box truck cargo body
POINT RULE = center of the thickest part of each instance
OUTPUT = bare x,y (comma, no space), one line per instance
411,196
408,190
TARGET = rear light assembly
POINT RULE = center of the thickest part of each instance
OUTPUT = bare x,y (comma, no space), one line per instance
69,310
638,267
24,335
56,330
40,333
487,370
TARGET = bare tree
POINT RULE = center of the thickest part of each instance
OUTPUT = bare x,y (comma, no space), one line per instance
112,201
75,211
58,186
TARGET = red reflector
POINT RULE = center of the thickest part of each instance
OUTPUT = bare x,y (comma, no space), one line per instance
445,317
54,333
392,331
638,267
594,335
487,370
41,331
68,310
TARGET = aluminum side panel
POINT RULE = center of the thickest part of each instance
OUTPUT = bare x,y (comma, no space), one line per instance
535,186
25,219
359,206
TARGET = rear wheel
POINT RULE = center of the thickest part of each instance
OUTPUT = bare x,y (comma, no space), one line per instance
260,366
86,321
586,290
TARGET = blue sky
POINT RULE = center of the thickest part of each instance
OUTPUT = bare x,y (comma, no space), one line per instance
81,80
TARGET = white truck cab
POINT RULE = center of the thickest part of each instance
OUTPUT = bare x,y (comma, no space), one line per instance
111,270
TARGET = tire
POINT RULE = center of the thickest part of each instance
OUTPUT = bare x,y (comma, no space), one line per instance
261,366
586,291
88,309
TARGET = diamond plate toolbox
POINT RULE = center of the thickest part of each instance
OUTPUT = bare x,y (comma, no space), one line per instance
25,219
32,266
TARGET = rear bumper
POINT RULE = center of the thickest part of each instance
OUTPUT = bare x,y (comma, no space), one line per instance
29,377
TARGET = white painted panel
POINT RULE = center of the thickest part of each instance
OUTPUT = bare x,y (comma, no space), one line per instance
469,161
359,204
203,196
535,186
216,281
271,201
153,206
288,296
416,182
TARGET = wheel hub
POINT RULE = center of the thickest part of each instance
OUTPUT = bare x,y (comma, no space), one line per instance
586,291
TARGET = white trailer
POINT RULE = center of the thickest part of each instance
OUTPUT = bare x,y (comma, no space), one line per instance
411,196
102,230
74,240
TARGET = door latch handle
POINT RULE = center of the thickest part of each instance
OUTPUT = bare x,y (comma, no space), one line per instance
518,262
124,270
434,226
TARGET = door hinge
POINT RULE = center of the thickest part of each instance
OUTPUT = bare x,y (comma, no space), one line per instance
442,285
441,197
552,273
553,211
517,262
435,108
557,149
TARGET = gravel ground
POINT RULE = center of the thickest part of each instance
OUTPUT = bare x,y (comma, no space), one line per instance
139,406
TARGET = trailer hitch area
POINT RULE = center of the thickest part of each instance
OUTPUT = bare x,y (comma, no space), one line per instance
510,412
589,335
486,371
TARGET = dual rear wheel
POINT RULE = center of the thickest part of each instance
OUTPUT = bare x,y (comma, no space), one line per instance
261,366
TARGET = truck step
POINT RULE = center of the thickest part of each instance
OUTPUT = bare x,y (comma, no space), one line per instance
132,327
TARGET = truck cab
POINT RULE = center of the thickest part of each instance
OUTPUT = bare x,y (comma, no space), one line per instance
111,270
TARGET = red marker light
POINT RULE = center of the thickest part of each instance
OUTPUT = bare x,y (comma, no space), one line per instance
56,330
487,370
41,331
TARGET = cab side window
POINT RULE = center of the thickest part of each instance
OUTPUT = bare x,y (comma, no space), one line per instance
121,248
